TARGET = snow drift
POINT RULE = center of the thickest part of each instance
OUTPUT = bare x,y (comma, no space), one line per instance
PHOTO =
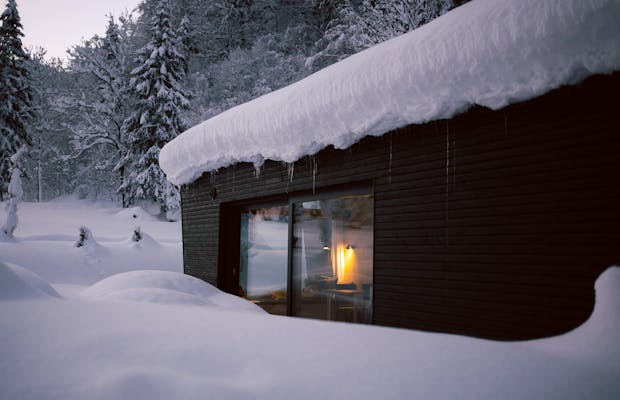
136,213
19,283
487,52
165,287
99,350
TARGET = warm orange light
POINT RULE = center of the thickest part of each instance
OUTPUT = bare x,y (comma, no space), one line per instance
343,262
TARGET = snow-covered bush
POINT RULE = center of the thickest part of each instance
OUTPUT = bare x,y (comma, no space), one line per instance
141,240
85,238
137,236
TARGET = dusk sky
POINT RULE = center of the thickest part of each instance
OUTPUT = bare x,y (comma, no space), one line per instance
57,25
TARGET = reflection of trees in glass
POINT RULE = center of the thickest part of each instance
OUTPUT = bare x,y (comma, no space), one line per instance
263,258
326,229
332,241
332,260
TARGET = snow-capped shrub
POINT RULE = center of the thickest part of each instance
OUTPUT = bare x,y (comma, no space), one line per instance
141,240
86,236
137,236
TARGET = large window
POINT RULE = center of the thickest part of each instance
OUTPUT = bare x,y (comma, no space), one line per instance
263,257
311,257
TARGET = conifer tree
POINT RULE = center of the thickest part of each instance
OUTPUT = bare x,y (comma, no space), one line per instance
15,91
161,99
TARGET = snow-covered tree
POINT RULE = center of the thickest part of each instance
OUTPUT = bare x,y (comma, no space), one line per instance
15,91
15,195
344,35
46,129
107,60
270,64
373,21
161,101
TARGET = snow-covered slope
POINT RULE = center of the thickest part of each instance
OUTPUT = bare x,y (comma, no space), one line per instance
487,52
19,283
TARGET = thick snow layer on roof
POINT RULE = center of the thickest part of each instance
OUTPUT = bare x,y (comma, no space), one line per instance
487,52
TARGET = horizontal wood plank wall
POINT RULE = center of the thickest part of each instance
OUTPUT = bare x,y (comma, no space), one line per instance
200,227
492,224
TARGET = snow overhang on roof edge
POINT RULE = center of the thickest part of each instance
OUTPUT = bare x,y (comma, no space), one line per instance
486,52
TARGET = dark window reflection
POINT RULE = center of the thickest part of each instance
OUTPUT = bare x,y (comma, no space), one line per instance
332,258
263,257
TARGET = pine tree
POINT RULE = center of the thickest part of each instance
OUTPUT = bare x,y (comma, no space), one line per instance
157,83
15,91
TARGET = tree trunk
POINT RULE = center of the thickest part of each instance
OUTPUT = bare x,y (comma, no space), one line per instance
39,180
121,171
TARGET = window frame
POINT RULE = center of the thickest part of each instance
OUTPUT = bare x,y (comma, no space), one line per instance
230,230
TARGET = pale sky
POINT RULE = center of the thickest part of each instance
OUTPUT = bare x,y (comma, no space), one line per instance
57,25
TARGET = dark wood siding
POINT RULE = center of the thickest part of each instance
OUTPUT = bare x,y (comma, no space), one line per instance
200,220
492,224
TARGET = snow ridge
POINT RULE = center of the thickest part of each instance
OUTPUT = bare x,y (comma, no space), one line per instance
487,52
18,283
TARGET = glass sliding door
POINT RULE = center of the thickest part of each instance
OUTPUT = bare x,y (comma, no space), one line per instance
332,258
263,272
311,257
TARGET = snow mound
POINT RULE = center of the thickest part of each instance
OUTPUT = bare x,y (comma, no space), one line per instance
136,213
486,52
605,318
165,287
155,295
594,344
6,238
146,241
88,245
19,283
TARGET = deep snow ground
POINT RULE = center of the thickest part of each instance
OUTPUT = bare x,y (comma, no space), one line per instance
47,232
164,335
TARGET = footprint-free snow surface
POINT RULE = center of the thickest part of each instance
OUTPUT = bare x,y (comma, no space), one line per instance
160,335
165,287
113,348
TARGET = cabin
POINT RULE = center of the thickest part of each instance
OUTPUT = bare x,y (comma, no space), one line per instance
461,178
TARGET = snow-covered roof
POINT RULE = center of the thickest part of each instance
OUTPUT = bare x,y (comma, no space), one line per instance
487,52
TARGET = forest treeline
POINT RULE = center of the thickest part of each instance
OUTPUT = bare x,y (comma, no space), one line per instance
94,124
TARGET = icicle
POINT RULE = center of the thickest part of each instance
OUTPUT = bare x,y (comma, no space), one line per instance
291,171
390,162
447,235
447,156
453,161
233,178
256,171
212,173
314,168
